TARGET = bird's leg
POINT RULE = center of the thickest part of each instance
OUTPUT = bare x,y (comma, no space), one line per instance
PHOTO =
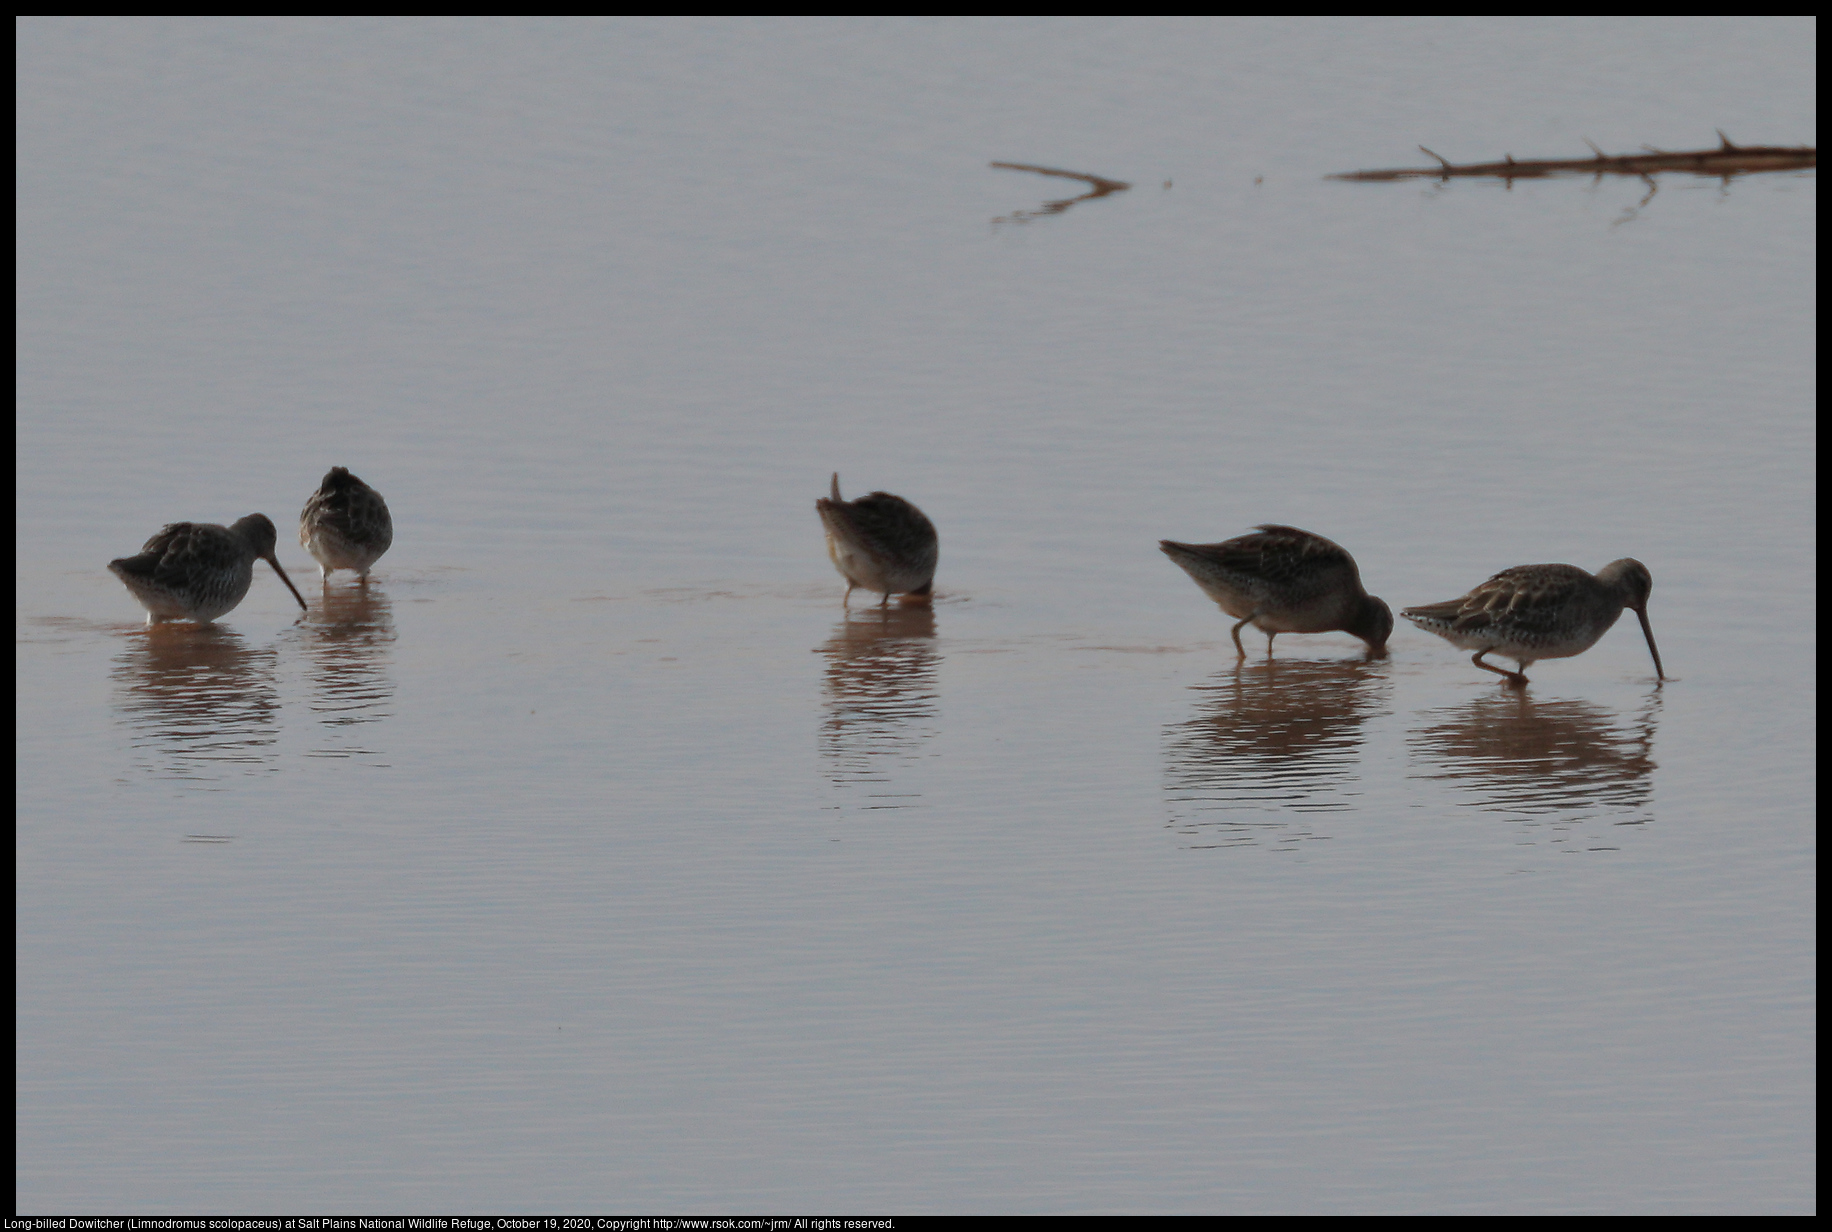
886,601
846,599
1237,628
1513,677
1269,638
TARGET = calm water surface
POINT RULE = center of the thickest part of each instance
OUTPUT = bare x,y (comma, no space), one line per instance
595,859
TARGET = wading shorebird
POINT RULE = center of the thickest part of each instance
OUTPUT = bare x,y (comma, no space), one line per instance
345,525
880,542
198,570
1534,612
1285,580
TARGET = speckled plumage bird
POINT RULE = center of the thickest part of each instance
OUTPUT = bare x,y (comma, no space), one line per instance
199,570
1534,612
1285,580
345,525
880,542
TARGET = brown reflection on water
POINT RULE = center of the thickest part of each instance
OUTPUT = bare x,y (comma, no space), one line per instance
1551,763
880,688
197,703
1272,743
349,643
1098,186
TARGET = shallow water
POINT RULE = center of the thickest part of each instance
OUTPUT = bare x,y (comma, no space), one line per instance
595,858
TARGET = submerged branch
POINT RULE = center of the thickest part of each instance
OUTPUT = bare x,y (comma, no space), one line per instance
1099,186
1726,160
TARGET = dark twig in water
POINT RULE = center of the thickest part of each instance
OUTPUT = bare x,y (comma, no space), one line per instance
1726,160
1099,187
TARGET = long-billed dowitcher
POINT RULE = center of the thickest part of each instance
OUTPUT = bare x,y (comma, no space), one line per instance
1534,612
198,570
1285,580
880,542
345,525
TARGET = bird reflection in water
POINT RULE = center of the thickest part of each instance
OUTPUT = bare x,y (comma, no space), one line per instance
881,692
1552,764
349,639
1272,743
197,703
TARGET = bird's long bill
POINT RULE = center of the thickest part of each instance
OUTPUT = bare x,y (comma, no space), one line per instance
1649,630
303,608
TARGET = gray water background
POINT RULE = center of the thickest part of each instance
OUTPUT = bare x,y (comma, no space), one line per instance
596,860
